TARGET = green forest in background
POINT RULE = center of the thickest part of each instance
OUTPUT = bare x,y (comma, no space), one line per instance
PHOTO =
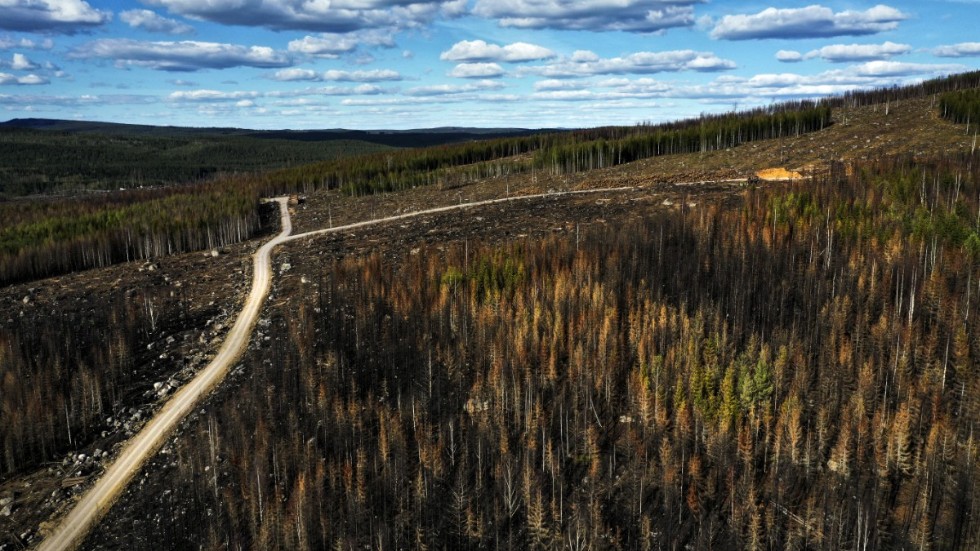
34,162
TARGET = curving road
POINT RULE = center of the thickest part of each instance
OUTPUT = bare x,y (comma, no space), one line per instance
100,497
96,502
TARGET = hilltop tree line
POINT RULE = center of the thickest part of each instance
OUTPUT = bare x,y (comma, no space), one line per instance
565,152
932,87
600,148
49,237
962,107
797,371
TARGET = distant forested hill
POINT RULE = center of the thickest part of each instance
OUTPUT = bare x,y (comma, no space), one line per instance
40,156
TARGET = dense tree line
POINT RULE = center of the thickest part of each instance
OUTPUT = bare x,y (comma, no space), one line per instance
589,150
562,152
49,237
922,89
798,371
962,106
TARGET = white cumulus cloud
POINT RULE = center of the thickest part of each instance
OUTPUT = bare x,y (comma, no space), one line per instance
900,69
764,87
187,55
58,16
643,16
298,97
453,89
8,79
333,45
375,75
477,70
193,96
859,52
151,21
19,62
558,84
8,43
963,49
789,56
586,64
315,15
294,74
478,50
814,21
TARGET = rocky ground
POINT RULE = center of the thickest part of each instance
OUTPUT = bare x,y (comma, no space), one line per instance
299,265
211,284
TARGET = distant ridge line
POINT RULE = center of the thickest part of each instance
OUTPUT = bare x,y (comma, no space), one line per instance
422,137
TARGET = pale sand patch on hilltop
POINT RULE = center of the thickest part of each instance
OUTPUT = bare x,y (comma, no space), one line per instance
778,174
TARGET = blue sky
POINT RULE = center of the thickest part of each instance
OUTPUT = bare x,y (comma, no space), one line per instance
486,63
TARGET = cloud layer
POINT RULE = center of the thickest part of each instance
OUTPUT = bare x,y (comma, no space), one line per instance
150,21
593,15
840,53
478,50
314,15
377,63
477,70
61,16
186,55
963,49
8,79
586,63
333,45
8,43
813,21
375,75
